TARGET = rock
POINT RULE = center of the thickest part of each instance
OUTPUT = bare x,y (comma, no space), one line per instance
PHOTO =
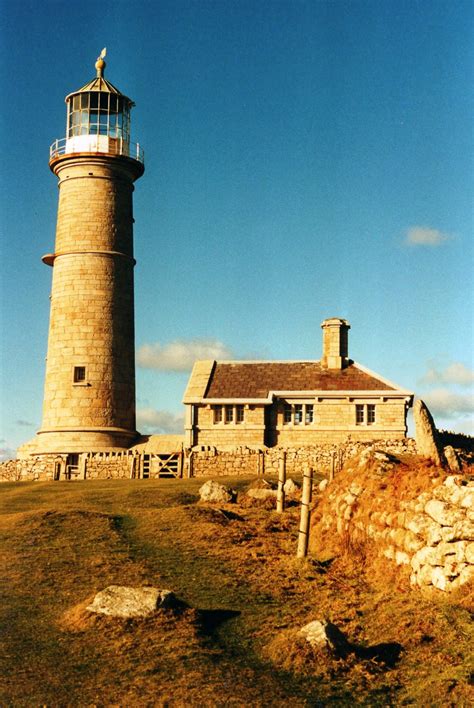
467,501
469,552
438,578
402,558
355,489
125,601
441,512
412,542
291,487
452,458
462,530
262,493
315,633
261,483
424,526
216,493
465,576
323,484
426,434
425,575
326,634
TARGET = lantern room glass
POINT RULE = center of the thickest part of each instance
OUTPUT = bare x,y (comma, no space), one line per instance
98,113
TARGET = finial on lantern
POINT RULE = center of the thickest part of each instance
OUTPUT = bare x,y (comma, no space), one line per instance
100,63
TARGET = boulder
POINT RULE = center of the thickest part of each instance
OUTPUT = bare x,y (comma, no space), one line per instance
326,634
315,633
262,493
452,458
124,601
427,443
323,484
216,493
261,483
291,487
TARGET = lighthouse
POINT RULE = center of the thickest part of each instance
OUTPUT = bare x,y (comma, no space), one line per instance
89,393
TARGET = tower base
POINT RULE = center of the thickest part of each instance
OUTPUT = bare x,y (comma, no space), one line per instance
78,440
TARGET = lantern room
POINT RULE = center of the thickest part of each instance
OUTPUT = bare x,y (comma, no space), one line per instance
98,120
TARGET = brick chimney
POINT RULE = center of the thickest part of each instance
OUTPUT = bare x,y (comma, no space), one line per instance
335,343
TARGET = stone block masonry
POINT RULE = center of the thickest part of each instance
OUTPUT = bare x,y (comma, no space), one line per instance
89,398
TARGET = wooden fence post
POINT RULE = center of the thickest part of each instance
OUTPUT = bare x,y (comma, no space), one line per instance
303,534
190,465
281,482
333,465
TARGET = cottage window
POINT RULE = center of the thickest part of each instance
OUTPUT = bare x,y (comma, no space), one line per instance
365,414
370,414
298,414
228,414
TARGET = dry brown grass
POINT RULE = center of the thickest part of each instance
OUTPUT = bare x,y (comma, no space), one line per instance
247,595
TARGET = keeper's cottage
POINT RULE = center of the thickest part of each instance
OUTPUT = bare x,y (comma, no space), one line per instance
293,403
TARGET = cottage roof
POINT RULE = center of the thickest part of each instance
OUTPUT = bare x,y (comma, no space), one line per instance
259,380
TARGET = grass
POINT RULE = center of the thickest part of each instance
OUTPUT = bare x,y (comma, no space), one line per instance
247,595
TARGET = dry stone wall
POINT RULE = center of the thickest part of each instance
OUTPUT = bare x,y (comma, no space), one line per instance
210,462
45,468
424,524
200,462
28,470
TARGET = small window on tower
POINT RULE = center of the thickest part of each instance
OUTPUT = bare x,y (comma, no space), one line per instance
79,374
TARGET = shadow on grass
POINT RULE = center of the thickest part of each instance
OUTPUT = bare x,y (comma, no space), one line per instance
386,654
209,621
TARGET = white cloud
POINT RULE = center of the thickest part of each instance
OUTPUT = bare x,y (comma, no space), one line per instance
455,373
181,354
448,405
425,236
25,424
150,421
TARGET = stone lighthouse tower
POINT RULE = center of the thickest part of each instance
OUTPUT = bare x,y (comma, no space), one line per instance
89,395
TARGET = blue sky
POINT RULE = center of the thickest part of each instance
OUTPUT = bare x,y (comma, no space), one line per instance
303,160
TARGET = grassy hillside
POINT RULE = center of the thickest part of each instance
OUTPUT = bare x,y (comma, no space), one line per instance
246,593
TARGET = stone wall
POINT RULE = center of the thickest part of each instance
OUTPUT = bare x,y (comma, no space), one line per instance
45,468
211,462
199,462
110,466
28,470
416,518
